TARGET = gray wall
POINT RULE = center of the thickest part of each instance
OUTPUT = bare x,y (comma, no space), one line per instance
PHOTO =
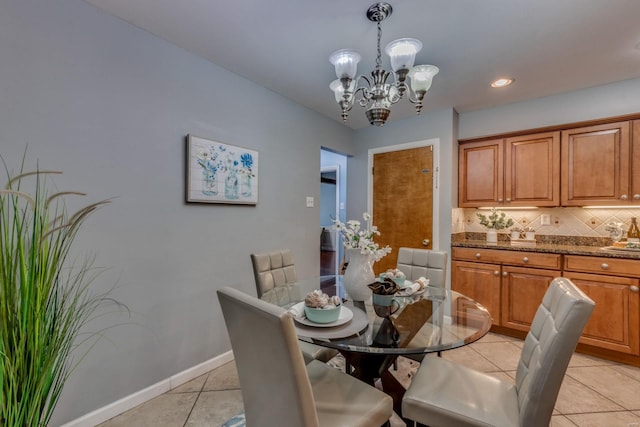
610,100
110,105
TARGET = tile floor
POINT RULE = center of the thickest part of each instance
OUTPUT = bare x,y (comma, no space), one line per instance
594,392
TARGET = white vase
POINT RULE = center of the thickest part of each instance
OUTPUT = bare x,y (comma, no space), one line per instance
358,275
492,236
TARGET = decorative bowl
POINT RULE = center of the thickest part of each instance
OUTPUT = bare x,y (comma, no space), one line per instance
322,315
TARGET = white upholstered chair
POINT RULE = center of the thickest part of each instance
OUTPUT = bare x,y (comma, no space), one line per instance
415,263
278,390
444,393
273,271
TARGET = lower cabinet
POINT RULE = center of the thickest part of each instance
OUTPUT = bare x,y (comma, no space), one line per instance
522,293
511,285
615,322
480,282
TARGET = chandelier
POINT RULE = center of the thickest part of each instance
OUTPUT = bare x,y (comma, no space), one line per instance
376,95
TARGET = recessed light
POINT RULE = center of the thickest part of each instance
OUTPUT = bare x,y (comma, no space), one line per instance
502,82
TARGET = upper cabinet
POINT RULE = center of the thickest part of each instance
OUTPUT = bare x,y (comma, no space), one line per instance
518,171
583,164
597,166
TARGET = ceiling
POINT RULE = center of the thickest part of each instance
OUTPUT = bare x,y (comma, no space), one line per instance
548,46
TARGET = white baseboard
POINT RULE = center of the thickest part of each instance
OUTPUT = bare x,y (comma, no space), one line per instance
120,406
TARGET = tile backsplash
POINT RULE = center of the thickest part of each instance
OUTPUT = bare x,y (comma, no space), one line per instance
578,222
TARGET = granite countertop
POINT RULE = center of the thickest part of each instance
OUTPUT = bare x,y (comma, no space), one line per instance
565,249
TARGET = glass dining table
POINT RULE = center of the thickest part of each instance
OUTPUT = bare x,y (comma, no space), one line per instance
371,337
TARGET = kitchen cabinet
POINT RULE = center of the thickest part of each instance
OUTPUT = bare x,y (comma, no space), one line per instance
500,172
481,173
597,166
510,284
614,286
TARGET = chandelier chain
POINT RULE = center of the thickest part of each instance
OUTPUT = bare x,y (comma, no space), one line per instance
379,57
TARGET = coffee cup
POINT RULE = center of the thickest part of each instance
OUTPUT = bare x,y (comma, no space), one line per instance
385,305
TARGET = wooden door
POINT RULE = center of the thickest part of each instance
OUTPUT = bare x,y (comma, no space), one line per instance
480,282
522,293
532,170
481,174
403,201
595,165
614,322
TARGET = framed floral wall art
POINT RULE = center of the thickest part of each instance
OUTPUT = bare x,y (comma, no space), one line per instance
221,173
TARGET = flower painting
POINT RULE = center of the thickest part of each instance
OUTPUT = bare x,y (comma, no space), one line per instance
221,173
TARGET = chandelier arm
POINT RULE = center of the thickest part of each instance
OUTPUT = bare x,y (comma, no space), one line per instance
365,78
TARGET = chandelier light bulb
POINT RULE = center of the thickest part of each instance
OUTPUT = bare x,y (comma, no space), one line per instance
346,63
402,53
338,89
421,77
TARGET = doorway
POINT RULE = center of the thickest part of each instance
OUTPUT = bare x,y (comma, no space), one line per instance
333,200
403,192
329,210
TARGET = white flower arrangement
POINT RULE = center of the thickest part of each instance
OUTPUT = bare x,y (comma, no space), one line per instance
353,237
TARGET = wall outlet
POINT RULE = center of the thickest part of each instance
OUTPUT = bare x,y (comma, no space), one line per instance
545,219
310,201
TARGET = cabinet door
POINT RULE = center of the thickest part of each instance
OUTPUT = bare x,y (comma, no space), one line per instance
614,324
532,170
595,165
635,162
522,293
480,282
480,173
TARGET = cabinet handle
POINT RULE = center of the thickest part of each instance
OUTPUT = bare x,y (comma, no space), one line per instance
504,274
624,197
605,266
478,255
508,200
525,260
636,197
634,289
499,200
496,273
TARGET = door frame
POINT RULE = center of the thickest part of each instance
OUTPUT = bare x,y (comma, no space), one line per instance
435,143
338,236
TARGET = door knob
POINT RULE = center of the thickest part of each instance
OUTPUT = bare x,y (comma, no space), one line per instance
426,242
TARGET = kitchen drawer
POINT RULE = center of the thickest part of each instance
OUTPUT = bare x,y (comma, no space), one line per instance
518,258
609,266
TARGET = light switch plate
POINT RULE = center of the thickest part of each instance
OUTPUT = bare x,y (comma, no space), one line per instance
310,201
545,219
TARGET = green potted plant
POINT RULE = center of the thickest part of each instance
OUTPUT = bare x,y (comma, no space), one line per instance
45,298
494,222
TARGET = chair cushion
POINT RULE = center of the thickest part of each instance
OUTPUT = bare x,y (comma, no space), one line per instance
344,401
415,263
272,269
444,393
